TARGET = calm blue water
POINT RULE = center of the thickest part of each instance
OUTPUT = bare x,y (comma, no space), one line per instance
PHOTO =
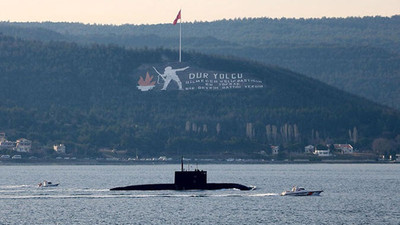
353,194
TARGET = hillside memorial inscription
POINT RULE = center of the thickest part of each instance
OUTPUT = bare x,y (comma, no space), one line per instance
187,78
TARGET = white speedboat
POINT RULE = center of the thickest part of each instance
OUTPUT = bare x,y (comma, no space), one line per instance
47,184
300,191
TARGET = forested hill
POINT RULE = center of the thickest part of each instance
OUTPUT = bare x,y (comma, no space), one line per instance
87,97
378,32
358,55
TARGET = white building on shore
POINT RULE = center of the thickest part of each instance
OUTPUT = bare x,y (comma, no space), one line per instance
7,145
23,145
309,149
322,152
344,148
59,148
275,150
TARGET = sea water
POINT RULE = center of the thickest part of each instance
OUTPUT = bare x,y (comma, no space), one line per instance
353,194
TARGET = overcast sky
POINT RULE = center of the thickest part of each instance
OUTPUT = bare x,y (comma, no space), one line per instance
164,11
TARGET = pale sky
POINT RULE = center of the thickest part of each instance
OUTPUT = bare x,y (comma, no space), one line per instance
165,11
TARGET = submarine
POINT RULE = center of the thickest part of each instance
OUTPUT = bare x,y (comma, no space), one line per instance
185,180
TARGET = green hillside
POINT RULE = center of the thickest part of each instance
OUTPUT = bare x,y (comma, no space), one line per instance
86,97
358,55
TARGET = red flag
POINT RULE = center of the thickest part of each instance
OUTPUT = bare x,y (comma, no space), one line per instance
178,17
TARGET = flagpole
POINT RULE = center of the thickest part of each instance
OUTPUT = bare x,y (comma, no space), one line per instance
180,39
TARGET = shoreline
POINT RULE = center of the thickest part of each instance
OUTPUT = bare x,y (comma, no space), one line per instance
171,162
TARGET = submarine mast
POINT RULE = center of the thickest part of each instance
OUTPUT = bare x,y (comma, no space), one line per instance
182,163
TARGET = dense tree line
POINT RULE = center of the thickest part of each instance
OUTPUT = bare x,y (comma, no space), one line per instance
86,97
258,32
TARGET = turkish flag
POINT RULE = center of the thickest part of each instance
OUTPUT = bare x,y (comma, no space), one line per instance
178,17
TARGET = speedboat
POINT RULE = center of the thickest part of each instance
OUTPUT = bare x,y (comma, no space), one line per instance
47,184
300,191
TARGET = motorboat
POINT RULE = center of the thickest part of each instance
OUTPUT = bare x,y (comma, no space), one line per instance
47,184
300,191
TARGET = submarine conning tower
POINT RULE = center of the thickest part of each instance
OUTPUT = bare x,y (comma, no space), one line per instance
190,179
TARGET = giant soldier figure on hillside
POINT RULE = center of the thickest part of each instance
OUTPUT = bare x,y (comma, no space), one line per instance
170,74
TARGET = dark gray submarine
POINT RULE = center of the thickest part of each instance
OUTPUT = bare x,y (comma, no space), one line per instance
185,180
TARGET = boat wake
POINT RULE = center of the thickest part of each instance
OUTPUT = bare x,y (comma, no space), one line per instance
14,186
99,194
264,195
24,191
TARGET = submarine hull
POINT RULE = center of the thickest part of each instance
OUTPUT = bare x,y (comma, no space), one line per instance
175,187
185,180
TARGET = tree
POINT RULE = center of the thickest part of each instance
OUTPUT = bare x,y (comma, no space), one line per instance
383,146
